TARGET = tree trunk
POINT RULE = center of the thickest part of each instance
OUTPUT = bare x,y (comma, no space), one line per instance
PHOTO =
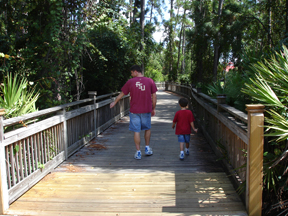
171,40
151,12
286,17
216,42
179,49
269,24
183,44
142,31
183,52
131,13
135,11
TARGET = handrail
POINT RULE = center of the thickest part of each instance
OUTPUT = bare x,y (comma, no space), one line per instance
16,120
231,110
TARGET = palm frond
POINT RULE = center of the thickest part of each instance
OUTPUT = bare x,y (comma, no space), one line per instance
261,91
17,98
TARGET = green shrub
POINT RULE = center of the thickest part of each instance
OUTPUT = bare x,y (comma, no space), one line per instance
17,98
269,86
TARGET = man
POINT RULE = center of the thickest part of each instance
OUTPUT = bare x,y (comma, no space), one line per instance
142,106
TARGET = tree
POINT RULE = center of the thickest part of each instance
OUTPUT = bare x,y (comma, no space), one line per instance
142,18
216,41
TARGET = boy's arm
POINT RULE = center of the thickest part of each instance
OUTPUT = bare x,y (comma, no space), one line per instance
173,125
193,127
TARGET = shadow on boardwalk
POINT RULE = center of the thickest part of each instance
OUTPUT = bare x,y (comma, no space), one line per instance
103,178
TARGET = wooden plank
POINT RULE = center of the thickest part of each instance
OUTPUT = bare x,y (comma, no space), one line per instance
141,207
40,160
17,162
195,213
254,174
8,167
12,164
20,161
42,148
34,153
237,113
28,150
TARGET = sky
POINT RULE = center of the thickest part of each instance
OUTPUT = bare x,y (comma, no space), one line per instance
159,32
158,35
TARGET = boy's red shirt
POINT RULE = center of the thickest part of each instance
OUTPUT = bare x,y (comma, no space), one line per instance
183,118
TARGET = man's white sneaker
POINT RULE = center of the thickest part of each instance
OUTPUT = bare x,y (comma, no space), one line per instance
148,151
186,151
137,155
181,156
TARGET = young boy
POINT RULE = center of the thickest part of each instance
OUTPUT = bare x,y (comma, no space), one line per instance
183,120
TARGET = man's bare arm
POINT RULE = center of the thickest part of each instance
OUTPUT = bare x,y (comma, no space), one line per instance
116,100
154,101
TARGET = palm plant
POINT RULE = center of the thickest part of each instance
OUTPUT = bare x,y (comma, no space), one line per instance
270,87
16,98
217,88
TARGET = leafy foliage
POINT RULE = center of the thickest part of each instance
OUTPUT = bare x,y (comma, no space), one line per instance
269,86
17,98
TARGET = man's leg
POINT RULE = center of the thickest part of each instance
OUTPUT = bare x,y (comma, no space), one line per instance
147,136
137,140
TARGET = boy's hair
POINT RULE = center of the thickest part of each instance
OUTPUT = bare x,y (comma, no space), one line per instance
183,102
136,68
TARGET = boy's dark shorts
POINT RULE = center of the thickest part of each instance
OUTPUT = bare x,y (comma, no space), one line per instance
185,138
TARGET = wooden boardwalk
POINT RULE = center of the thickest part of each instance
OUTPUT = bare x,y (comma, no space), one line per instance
103,178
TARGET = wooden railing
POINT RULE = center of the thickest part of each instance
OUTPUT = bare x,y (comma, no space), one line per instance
236,138
29,152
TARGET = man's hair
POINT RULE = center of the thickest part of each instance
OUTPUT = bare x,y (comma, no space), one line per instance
136,68
183,102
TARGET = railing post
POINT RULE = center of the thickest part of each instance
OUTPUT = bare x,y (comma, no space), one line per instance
221,99
65,134
254,172
93,94
4,204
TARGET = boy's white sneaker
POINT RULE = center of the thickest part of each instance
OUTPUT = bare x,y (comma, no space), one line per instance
181,156
186,151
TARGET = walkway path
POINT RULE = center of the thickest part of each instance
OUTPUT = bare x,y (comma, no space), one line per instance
103,178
